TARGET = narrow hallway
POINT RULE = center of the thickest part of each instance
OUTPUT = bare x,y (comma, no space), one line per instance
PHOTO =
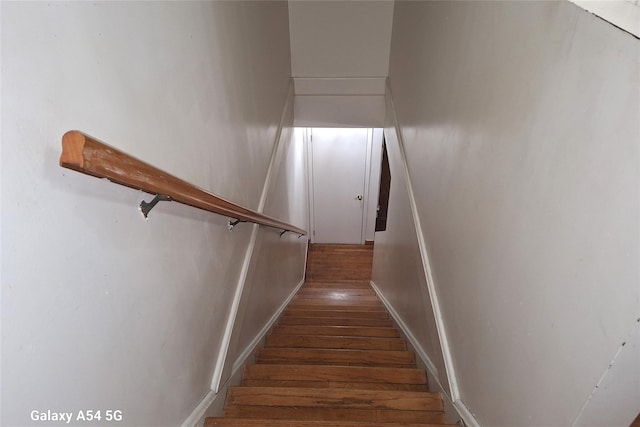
334,358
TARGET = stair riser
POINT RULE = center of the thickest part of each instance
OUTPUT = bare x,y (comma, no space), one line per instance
246,422
332,300
339,284
351,293
341,331
335,384
361,415
274,355
331,399
345,313
336,373
335,321
354,343
299,306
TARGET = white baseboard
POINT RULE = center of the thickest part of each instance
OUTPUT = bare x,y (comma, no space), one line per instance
467,416
218,371
255,342
211,404
198,415
463,412
431,367
216,381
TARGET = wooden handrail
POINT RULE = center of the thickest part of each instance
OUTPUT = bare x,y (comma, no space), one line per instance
85,154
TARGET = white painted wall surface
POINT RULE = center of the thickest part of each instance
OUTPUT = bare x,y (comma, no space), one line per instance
340,86
339,111
340,38
619,384
101,309
397,266
278,263
520,127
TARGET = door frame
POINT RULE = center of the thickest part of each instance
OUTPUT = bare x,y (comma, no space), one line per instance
367,190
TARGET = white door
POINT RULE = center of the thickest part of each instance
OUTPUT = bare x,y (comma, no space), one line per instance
338,163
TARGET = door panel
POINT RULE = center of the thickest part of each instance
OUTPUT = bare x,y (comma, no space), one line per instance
338,173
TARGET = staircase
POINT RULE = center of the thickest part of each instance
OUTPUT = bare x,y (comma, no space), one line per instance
334,359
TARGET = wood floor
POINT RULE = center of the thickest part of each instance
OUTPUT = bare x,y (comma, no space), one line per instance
334,358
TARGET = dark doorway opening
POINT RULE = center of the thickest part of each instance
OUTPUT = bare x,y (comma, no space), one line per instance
385,187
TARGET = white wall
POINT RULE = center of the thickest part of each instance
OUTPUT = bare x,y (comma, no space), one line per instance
101,309
339,111
340,38
278,264
519,122
398,271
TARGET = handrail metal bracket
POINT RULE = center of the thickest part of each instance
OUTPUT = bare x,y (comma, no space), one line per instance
231,224
284,231
145,207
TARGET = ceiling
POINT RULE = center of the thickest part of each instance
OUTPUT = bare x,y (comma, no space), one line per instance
340,60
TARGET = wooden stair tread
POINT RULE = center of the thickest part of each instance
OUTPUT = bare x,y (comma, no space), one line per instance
338,247
337,284
335,384
336,414
341,250
320,304
312,277
252,422
328,341
299,320
333,264
360,374
337,297
317,356
343,331
334,398
345,312
352,292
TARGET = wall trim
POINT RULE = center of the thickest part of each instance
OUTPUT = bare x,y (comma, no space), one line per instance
276,147
459,406
233,312
200,412
354,86
464,411
623,15
466,415
235,304
431,367
426,264
255,342
307,135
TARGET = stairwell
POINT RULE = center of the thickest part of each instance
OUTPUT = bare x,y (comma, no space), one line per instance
334,358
